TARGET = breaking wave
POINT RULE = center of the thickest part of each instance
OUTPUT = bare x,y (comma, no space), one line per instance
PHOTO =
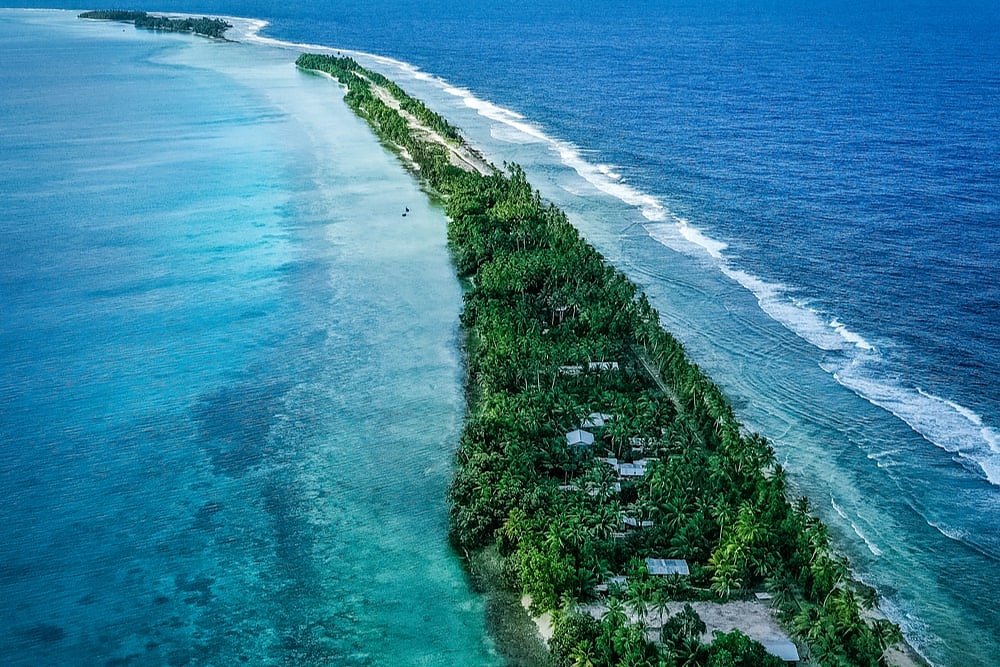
856,363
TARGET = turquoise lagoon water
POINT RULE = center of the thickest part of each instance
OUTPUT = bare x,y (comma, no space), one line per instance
912,517
231,381
807,191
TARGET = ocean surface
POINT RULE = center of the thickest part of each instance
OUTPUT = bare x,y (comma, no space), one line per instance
231,384
231,378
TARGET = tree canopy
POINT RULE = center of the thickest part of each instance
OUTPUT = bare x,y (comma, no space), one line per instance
201,26
555,336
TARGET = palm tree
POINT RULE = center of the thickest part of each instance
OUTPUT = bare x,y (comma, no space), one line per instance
661,602
637,601
586,581
844,608
828,573
781,586
615,616
673,514
690,652
808,622
605,519
867,597
582,655
726,581
886,634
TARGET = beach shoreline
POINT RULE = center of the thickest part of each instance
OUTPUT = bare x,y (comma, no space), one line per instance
249,33
753,618
461,158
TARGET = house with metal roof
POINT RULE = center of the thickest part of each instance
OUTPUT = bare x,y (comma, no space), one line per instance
666,566
637,469
782,648
580,438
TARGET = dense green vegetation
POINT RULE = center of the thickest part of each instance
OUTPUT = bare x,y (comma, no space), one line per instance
201,26
555,337
430,157
113,15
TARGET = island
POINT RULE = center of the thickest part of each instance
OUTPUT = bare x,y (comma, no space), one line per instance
208,27
602,477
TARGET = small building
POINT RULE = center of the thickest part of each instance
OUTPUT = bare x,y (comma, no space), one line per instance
617,581
664,567
636,469
580,438
782,648
634,522
597,490
639,445
571,370
603,365
596,420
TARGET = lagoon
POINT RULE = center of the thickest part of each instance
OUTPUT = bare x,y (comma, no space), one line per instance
232,379
907,496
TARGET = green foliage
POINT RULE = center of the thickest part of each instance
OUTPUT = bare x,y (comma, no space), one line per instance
574,637
735,649
202,26
113,15
681,629
541,307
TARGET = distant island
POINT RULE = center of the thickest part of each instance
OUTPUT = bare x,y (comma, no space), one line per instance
601,474
208,27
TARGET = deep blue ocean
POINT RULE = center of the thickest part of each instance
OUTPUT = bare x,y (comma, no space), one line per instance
220,347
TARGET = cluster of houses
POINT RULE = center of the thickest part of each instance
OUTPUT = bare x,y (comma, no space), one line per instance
582,439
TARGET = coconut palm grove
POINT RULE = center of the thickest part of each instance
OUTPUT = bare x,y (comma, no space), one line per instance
592,443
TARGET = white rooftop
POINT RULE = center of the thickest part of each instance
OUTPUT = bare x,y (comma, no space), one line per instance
580,438
631,469
783,649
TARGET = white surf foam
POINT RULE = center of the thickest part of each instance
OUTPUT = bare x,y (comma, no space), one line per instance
797,316
951,533
603,177
885,459
510,135
950,426
872,547
697,237
868,543
943,422
850,336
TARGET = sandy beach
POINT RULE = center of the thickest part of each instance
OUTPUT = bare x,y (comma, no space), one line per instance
754,618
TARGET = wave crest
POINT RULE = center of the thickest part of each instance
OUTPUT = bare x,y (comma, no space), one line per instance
858,366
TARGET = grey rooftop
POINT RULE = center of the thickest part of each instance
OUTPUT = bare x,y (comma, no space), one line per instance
667,566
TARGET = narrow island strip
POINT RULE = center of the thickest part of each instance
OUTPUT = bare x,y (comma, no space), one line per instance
209,27
601,474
